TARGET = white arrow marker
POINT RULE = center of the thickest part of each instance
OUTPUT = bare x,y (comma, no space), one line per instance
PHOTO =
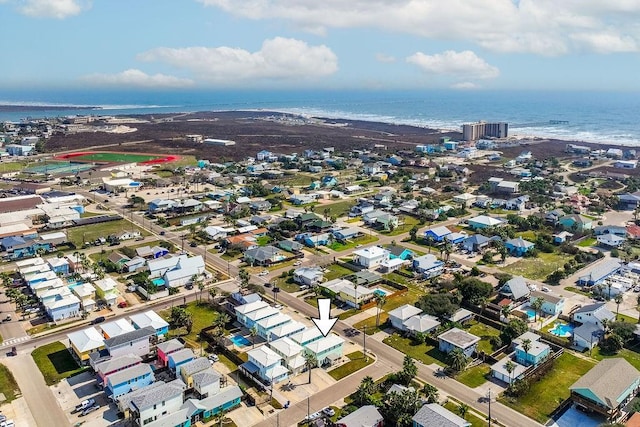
325,322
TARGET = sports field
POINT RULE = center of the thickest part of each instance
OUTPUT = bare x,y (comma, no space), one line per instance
113,157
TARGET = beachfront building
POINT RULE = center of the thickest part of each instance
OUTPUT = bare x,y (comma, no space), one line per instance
84,342
266,365
370,257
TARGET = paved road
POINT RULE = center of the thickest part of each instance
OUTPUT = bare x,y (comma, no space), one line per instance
40,400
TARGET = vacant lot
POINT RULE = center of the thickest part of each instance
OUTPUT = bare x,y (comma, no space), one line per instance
427,353
89,233
537,268
357,361
8,385
203,316
337,209
55,362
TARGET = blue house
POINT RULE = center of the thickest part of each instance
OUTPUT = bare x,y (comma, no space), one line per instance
225,400
428,266
455,238
537,353
179,358
399,252
457,338
317,240
347,233
127,380
519,246
575,222
161,205
329,181
59,265
62,307
437,233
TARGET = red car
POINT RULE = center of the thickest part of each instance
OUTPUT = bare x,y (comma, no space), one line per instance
122,304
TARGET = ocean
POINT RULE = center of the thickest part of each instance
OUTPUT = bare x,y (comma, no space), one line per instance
602,117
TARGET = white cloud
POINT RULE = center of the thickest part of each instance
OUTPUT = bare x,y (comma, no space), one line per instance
545,27
58,9
465,86
381,57
278,58
461,64
137,78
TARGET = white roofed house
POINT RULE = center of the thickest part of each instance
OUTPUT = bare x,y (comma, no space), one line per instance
184,271
423,324
308,276
62,307
327,350
428,266
398,316
152,319
291,354
434,415
266,365
84,342
307,336
355,295
266,325
136,342
257,315
115,328
370,257
243,310
594,313
457,338
86,293
287,330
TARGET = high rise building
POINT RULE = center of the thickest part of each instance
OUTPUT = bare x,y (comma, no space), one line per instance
475,131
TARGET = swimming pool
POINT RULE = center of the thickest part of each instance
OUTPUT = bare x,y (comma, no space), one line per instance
158,281
240,341
381,292
531,314
562,330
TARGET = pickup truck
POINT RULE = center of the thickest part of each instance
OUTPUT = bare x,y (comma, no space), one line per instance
84,405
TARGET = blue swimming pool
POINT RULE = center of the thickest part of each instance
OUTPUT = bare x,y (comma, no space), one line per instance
240,341
562,330
158,281
531,314
381,292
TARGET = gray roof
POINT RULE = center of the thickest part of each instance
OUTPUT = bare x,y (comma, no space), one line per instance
602,270
398,388
434,415
549,297
195,366
170,346
129,373
367,416
608,380
459,338
421,323
519,242
224,396
136,335
261,253
588,331
118,363
205,378
157,394
517,288
182,355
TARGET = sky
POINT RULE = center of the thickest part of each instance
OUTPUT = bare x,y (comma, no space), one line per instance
332,44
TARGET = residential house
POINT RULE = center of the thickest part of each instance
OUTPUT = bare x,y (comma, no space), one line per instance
118,260
516,289
598,273
135,342
475,243
287,330
347,233
291,354
457,338
158,403
59,265
263,255
135,264
593,313
464,199
225,400
206,383
107,291
587,335
84,342
423,324
180,357
552,304
607,388
307,336
455,238
266,364
434,415
428,266
164,349
243,310
355,296
150,319
500,372
290,246
437,233
62,307
370,257
308,276
519,246
399,252
189,369
326,350
267,324
366,416
127,380
534,355
257,315
562,237
86,293
113,365
314,240
115,328
483,221
575,222
184,271
398,316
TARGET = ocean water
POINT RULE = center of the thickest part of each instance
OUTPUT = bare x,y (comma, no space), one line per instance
603,117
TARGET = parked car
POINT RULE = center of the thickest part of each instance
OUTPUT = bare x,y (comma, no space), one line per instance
85,404
214,357
122,304
545,289
263,273
267,285
90,409
328,411
193,244
97,320
312,417
162,233
7,318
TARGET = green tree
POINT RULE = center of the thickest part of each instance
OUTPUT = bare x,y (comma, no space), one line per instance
463,409
474,290
457,360
618,301
401,407
526,346
413,233
365,390
243,275
439,305
514,329
409,370
506,310
310,363
253,333
537,306
381,300
430,393
510,367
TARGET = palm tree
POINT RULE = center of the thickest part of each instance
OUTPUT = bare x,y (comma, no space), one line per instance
430,393
457,360
429,240
253,332
526,346
220,417
510,367
609,288
537,305
637,304
618,300
506,310
213,293
309,362
365,391
381,300
463,409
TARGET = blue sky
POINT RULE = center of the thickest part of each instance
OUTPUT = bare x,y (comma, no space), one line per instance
394,44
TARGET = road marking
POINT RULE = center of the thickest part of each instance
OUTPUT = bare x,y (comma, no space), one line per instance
12,341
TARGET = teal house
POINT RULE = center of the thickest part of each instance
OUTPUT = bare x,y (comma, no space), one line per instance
575,222
534,355
326,350
519,246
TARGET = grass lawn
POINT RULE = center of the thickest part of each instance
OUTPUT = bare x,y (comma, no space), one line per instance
474,377
577,291
226,257
354,219
545,395
55,362
370,323
12,166
357,362
589,241
407,225
427,353
337,209
485,332
410,297
527,235
286,284
298,179
474,420
89,233
537,268
263,240
352,243
228,363
203,316
629,354
8,385
336,271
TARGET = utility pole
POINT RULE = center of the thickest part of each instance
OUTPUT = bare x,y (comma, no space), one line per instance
489,394
308,409
364,343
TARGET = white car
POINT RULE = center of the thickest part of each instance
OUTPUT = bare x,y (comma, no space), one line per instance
263,273
297,263
329,411
545,289
313,416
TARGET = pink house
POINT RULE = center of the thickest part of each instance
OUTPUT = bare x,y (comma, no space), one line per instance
116,364
166,348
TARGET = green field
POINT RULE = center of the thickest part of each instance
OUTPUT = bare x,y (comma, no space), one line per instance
356,362
336,271
56,362
352,243
474,377
485,332
427,353
337,209
8,385
89,233
473,419
203,316
545,395
537,268
109,157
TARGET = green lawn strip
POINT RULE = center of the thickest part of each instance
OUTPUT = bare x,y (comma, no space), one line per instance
8,385
589,241
427,353
546,394
86,214
353,220
537,268
407,225
94,231
55,362
485,332
410,297
527,235
203,316
226,257
286,284
337,209
473,419
630,355
347,314
474,377
624,318
263,240
577,291
370,323
357,362
352,243
228,363
336,271
12,166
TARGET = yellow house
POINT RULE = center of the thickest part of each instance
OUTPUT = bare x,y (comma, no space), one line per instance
189,369
84,342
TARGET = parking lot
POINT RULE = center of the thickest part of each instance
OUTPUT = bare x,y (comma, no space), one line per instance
71,391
